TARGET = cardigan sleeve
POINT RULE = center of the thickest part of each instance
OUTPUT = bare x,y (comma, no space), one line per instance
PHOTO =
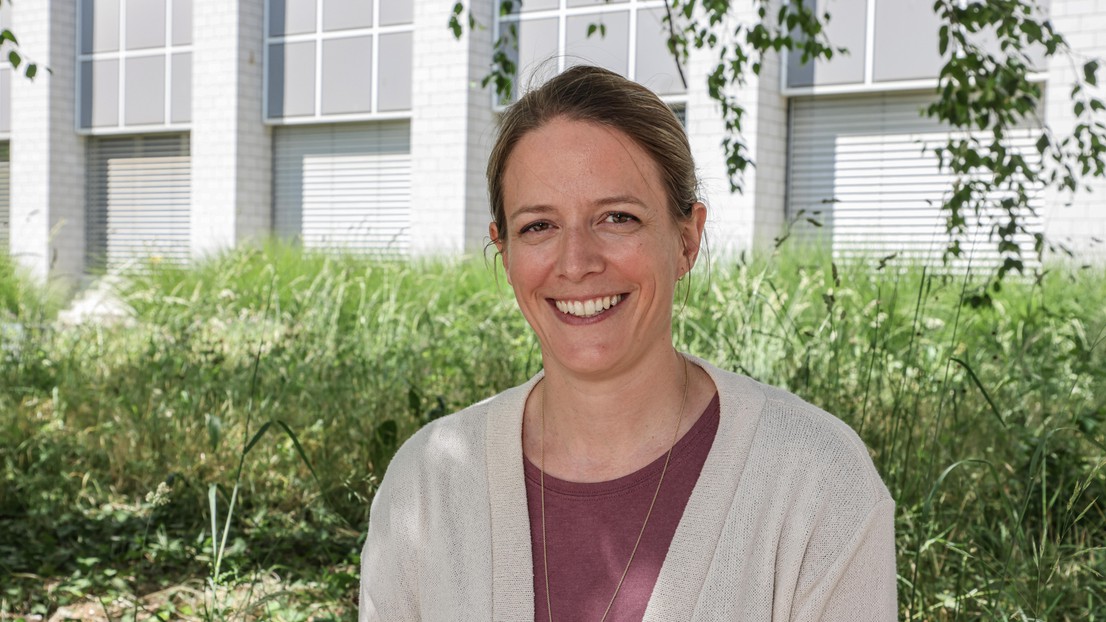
861,583
389,581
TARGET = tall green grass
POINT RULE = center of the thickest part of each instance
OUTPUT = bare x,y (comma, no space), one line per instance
987,424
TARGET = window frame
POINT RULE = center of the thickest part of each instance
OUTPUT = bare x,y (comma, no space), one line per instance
869,83
562,13
319,36
121,55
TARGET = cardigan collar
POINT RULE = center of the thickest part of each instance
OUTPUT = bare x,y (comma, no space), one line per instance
692,550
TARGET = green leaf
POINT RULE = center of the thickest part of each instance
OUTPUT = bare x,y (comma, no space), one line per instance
14,58
32,71
1042,143
213,507
1090,72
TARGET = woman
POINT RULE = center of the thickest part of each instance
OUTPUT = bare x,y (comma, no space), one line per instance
626,481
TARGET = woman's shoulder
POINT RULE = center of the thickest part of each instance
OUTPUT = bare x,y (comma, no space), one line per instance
456,443
792,437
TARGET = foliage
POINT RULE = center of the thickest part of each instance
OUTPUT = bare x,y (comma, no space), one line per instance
985,93
9,45
988,425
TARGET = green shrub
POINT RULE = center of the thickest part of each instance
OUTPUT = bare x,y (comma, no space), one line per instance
987,424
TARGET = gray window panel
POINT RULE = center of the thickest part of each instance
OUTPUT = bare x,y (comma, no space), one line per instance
347,75
394,71
290,17
535,51
5,15
534,5
345,14
846,28
905,41
99,93
291,79
5,100
395,12
145,24
144,90
656,66
576,3
182,22
99,26
180,85
610,50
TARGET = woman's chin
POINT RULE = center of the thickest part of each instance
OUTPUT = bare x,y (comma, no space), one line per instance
591,361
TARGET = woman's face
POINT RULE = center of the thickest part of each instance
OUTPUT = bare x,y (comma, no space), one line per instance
591,249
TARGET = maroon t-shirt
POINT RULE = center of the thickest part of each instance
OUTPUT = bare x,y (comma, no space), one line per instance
592,528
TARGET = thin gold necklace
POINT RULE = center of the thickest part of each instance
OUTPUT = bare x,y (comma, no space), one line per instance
648,513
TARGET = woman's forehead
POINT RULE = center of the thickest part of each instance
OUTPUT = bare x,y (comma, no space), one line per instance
579,160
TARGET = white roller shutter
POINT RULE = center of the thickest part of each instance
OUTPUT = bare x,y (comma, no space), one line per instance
139,190
864,167
5,196
344,186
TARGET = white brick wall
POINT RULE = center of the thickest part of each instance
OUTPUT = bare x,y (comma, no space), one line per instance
47,164
770,155
738,222
1083,23
231,150
438,122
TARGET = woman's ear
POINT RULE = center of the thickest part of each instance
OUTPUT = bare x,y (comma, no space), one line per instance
500,247
691,230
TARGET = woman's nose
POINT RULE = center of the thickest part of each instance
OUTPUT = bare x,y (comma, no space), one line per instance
580,254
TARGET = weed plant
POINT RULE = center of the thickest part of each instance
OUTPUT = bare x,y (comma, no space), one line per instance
986,423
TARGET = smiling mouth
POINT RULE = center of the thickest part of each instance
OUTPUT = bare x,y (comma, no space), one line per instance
588,308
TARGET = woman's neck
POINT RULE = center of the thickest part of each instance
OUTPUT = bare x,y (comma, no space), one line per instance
601,429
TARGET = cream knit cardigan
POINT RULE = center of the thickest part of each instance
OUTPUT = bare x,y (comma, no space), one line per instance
789,521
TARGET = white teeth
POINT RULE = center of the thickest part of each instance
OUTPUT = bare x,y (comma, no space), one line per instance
587,308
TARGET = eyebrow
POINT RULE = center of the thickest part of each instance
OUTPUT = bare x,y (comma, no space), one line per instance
604,202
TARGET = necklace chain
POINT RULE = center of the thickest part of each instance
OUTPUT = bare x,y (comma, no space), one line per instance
648,513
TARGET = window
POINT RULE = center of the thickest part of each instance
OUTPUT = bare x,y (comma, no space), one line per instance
626,36
892,44
338,60
134,61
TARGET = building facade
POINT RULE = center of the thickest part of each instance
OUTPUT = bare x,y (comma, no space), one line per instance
176,128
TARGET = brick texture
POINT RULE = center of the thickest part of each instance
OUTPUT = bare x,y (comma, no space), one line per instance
231,147
739,221
450,121
47,163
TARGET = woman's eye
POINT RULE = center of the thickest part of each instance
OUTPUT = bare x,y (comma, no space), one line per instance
620,218
535,227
